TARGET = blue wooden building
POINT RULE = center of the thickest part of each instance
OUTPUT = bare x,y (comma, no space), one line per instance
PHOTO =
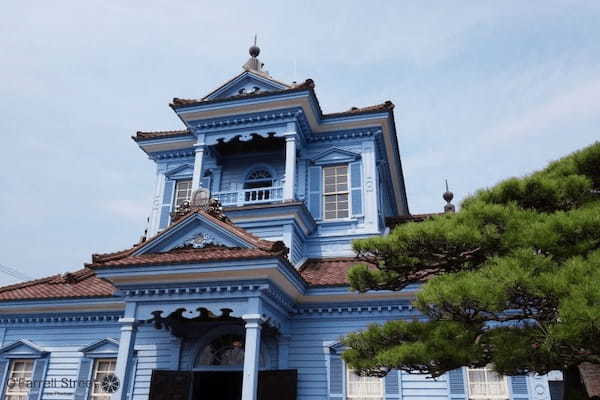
245,297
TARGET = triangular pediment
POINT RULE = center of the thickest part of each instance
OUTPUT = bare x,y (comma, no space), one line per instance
23,348
245,83
104,346
197,230
335,155
180,172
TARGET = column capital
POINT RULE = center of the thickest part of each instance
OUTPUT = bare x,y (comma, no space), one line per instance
291,136
128,324
253,319
200,147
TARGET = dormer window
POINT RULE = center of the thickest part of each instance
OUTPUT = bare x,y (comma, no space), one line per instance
335,191
256,179
183,192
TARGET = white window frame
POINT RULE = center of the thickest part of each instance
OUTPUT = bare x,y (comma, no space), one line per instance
487,396
96,392
188,191
11,391
336,193
349,396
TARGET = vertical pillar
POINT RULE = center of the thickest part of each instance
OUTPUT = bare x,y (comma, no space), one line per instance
251,356
370,181
290,166
159,187
126,344
199,157
283,350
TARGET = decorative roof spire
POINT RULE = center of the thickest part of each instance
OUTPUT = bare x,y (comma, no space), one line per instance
448,196
254,64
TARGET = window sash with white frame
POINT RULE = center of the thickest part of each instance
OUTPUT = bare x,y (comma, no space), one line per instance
183,192
17,387
336,193
363,387
486,384
102,368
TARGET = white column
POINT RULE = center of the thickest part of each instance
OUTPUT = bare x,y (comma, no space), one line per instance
251,356
126,343
370,181
197,176
290,166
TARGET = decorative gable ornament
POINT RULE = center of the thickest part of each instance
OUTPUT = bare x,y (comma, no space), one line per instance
200,201
201,241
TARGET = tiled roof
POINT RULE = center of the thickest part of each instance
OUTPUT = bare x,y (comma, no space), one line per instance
186,256
78,284
141,136
387,106
261,248
260,244
392,222
327,271
178,103
590,374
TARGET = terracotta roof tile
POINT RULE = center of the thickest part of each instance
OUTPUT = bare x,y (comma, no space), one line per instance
327,271
392,222
178,103
387,106
186,256
141,136
590,374
260,248
78,284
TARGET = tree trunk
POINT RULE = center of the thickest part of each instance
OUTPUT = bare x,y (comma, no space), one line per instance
574,388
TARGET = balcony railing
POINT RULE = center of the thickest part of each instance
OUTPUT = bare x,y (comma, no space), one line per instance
250,196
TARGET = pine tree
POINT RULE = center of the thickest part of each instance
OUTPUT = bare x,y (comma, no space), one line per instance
512,279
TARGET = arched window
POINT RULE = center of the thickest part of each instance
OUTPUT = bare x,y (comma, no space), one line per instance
225,351
256,179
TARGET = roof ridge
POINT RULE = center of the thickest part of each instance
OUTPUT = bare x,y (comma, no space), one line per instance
180,102
274,247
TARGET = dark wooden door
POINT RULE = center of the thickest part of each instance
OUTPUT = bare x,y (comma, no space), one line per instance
221,385
278,384
217,385
170,385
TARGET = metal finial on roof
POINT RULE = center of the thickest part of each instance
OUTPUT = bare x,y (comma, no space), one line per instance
254,49
448,196
254,64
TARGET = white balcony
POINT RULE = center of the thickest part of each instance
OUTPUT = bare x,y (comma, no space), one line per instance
250,196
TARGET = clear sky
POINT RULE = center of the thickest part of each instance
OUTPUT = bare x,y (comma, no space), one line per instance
484,90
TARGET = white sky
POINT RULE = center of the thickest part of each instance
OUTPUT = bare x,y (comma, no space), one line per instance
484,90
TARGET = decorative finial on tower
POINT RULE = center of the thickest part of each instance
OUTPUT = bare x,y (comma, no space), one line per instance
254,64
448,196
254,49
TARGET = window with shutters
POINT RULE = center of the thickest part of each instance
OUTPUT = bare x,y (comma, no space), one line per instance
102,368
486,384
19,378
183,192
335,192
363,387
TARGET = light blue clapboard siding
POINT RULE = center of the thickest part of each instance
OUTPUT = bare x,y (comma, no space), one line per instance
155,349
267,232
63,343
307,354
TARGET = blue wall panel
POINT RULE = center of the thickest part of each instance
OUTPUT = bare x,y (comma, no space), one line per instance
63,343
